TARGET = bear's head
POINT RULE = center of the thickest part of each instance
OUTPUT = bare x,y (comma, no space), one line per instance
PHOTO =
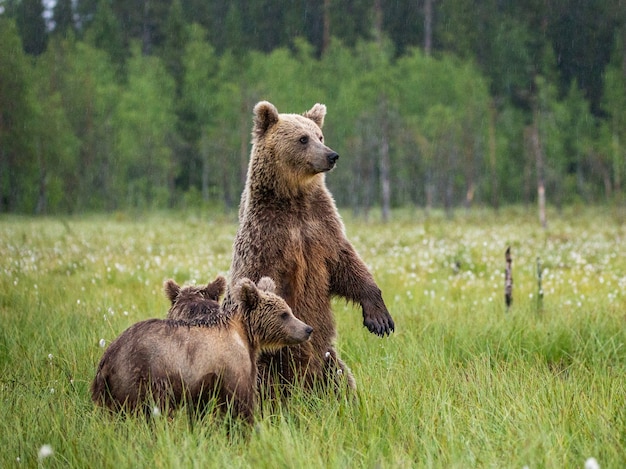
271,324
290,148
194,302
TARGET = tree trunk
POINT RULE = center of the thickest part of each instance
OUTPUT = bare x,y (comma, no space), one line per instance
326,31
539,161
244,137
146,34
42,195
204,154
428,26
378,20
385,183
508,278
492,155
469,167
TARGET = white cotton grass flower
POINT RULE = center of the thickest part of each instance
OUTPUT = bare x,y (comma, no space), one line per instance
592,463
156,411
44,452
102,343
50,356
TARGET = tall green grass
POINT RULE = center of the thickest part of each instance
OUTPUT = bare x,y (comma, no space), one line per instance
462,383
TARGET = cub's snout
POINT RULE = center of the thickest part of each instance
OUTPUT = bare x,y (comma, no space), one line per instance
299,331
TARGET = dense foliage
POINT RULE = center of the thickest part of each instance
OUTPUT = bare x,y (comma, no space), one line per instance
110,104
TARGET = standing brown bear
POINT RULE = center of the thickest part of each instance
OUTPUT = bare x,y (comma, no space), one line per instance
290,230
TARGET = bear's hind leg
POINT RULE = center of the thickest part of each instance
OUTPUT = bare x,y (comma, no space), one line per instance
338,373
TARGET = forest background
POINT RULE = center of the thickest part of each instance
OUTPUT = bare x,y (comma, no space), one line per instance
120,105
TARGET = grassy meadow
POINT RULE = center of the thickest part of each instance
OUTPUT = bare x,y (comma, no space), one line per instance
462,383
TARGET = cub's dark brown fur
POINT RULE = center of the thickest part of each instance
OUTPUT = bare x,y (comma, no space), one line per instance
170,361
194,302
290,230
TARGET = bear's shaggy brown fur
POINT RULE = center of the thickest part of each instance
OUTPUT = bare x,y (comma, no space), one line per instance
290,230
194,302
171,361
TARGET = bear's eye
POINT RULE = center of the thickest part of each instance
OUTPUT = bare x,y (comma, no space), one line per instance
284,316
304,140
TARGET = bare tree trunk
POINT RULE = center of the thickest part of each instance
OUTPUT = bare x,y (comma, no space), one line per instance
528,157
624,51
428,26
617,161
539,159
326,30
448,178
469,167
492,156
384,174
146,35
227,192
378,20
508,278
539,286
42,197
204,154
244,138
429,193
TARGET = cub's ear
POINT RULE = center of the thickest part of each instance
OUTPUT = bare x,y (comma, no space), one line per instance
266,284
317,114
265,116
247,294
216,288
171,290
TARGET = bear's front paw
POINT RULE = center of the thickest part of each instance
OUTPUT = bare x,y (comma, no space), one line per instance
380,324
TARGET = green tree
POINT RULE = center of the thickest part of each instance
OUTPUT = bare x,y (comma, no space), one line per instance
17,122
56,146
198,113
144,125
105,33
63,15
615,105
31,25
176,37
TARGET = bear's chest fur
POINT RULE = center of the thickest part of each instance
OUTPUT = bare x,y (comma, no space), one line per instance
301,238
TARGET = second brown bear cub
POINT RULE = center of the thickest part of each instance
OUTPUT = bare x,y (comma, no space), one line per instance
171,361
194,302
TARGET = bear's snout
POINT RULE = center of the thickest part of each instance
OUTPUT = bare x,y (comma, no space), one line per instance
332,159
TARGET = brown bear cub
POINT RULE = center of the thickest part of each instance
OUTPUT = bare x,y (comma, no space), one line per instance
167,361
290,230
195,302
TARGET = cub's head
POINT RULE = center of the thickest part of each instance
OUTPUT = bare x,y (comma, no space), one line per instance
269,319
294,143
194,302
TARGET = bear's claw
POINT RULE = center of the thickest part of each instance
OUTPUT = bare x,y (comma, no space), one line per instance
381,326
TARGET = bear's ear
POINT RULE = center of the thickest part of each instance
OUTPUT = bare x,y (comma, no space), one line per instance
247,294
316,114
266,284
171,290
265,116
216,288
